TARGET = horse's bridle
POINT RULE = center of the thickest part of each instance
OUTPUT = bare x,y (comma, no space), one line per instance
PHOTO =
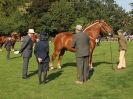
102,28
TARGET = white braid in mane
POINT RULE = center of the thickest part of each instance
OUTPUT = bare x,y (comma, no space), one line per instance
90,26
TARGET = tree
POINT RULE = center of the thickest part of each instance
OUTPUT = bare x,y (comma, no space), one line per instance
55,16
58,18
11,19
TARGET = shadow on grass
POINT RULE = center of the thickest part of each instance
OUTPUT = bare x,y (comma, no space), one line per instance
15,57
32,73
73,64
95,64
54,75
90,73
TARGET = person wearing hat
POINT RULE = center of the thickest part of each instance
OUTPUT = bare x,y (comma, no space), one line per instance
26,51
41,52
8,45
81,44
122,49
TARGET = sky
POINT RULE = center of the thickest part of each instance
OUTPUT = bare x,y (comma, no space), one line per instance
125,4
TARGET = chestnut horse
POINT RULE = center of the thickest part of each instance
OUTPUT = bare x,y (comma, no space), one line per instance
62,41
35,37
14,37
2,41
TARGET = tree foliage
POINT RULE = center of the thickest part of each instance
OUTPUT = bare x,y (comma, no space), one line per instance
55,16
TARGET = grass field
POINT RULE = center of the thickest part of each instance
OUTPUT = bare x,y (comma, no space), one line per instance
105,83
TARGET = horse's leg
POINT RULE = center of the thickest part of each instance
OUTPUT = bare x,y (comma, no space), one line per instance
1,46
54,55
13,47
60,58
90,60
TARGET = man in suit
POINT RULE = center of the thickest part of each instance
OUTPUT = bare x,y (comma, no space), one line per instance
26,51
81,44
122,49
8,45
41,52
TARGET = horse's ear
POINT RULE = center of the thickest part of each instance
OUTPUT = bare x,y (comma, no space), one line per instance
95,21
101,20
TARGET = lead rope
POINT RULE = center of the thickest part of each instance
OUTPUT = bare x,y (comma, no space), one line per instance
111,56
112,67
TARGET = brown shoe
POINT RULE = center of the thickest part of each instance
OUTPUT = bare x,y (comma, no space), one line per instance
118,68
123,67
78,82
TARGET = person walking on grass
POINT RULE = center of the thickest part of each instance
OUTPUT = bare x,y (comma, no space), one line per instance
8,45
41,52
122,49
81,44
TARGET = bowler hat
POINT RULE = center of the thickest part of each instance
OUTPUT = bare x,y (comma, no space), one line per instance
44,36
43,33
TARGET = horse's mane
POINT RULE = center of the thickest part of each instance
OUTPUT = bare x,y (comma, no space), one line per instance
92,23
14,33
85,27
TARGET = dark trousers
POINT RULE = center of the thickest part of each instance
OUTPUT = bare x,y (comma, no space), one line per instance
8,55
42,68
25,66
82,68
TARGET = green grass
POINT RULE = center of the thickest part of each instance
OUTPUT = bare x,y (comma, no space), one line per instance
105,83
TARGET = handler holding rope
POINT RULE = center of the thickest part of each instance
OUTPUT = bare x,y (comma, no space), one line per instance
122,49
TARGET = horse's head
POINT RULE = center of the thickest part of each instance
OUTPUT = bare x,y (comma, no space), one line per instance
35,37
15,36
105,28
96,27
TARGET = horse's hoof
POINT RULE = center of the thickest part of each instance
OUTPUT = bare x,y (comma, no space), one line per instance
51,68
59,67
91,68
12,50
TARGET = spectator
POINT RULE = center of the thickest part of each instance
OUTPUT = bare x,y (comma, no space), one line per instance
42,54
8,45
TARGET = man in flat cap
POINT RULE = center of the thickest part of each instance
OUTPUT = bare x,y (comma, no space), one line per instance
81,44
122,49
